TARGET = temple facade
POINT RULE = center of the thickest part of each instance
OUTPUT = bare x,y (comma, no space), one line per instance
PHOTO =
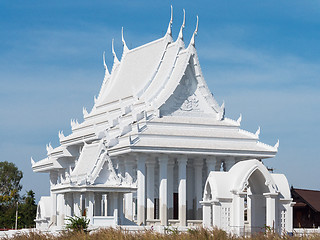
150,150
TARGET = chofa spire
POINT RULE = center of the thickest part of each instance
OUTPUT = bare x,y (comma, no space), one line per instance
125,48
115,59
183,25
169,31
105,65
192,42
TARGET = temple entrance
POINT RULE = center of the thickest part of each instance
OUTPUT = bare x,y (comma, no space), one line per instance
246,199
255,203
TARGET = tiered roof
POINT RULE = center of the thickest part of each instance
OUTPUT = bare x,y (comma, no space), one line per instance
155,100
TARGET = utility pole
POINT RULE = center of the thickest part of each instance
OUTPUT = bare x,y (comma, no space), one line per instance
16,227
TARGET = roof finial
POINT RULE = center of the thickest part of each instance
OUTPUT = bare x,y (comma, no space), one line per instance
115,59
104,64
276,146
195,33
170,23
183,24
125,48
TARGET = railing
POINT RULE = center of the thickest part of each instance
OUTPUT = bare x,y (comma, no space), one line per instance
103,221
153,222
194,223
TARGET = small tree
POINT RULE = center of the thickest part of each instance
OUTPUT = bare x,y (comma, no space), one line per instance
78,223
27,210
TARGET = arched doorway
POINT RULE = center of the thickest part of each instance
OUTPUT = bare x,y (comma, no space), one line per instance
246,199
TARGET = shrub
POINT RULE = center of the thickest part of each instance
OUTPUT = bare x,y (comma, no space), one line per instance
78,223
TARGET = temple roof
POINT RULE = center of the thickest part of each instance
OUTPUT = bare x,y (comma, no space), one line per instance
155,99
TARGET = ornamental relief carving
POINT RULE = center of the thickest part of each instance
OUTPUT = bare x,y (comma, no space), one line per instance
191,103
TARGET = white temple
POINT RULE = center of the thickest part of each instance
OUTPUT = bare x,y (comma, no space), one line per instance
157,149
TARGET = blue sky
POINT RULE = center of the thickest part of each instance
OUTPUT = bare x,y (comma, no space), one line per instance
261,57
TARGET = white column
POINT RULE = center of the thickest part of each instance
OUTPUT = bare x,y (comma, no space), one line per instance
190,190
104,205
53,181
228,163
198,165
69,201
90,212
206,208
182,163
170,188
60,209
216,214
289,217
150,188
238,213
76,204
141,173
271,209
163,189
120,209
97,204
213,164
54,208
129,163
115,208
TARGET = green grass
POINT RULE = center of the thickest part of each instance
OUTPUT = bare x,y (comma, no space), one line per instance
119,234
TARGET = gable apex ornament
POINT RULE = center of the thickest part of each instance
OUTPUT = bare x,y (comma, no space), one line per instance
169,30
192,41
107,74
125,48
115,59
239,119
257,132
276,146
183,25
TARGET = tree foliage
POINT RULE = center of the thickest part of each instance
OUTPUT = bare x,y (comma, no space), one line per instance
10,186
10,199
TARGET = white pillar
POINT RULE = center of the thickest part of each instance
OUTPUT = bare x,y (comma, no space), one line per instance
54,208
163,189
206,208
170,188
115,208
150,189
76,204
271,210
129,163
216,214
182,163
60,209
90,212
238,213
53,181
190,190
120,209
69,202
213,164
104,205
198,165
141,173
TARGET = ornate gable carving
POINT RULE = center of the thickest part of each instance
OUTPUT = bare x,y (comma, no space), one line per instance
186,99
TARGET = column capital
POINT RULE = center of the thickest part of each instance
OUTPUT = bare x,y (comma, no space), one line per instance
163,158
182,159
270,195
198,162
151,162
